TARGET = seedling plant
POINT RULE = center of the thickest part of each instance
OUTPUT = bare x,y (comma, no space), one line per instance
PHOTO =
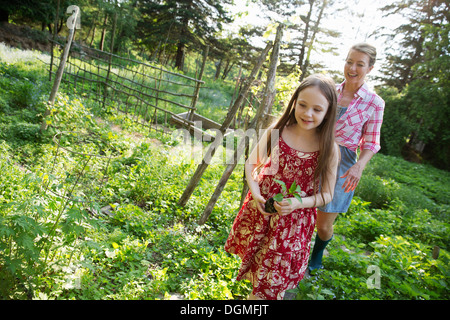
293,191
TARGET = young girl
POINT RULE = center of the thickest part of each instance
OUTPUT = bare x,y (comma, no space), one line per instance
274,248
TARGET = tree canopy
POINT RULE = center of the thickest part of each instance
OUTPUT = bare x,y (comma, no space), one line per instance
417,83
180,23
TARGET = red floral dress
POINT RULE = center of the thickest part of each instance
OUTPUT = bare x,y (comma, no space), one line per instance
275,249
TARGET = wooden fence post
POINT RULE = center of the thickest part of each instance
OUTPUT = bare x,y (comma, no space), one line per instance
257,122
111,48
55,31
268,97
197,87
72,23
219,137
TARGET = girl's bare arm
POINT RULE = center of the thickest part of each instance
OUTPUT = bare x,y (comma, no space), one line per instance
316,200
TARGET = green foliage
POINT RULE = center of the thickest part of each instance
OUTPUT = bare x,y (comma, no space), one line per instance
148,247
21,101
21,131
398,215
396,127
406,272
417,117
69,114
419,186
190,22
285,86
294,191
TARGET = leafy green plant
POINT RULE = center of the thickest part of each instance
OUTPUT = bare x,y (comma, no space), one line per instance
293,191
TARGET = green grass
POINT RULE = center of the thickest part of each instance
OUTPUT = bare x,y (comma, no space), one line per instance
148,247
399,214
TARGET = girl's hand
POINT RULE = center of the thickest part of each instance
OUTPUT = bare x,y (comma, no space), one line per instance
353,176
286,206
260,204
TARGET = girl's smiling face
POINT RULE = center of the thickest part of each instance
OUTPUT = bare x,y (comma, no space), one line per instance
356,67
310,108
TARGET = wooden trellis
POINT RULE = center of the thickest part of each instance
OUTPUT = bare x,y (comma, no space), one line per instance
148,94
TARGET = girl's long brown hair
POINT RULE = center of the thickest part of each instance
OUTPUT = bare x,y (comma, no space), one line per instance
326,129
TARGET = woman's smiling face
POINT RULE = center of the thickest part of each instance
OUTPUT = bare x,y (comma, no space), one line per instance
356,67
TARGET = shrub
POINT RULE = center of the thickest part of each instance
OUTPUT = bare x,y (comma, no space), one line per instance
27,132
376,190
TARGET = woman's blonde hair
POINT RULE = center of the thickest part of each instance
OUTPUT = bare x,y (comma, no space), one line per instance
326,130
368,49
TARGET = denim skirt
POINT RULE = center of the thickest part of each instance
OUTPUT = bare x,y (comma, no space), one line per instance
341,199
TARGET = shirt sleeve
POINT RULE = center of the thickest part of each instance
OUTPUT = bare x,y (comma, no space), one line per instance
371,135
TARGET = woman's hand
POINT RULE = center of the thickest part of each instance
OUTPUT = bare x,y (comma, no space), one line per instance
353,176
286,206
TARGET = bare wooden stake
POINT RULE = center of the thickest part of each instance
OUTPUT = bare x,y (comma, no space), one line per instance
197,88
257,123
59,73
213,146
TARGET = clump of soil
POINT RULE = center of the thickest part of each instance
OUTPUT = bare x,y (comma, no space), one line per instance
270,208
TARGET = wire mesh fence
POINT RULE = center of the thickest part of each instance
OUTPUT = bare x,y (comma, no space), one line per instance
147,93
79,167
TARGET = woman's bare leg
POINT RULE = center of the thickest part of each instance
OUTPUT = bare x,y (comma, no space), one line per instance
325,223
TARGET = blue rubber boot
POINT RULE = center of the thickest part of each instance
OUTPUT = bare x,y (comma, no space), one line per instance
317,253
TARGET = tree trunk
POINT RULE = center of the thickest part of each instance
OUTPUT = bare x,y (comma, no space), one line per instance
93,36
218,65
305,35
305,65
102,39
227,69
92,28
59,72
179,60
60,25
269,93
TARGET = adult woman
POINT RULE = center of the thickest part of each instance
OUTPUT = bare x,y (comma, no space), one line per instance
359,118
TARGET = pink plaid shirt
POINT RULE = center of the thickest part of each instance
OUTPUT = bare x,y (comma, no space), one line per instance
361,123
